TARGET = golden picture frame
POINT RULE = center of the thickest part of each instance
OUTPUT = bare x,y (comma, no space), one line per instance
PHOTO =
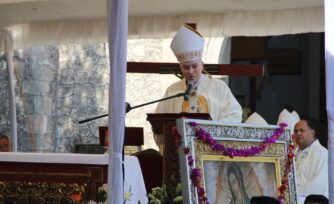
261,174
252,176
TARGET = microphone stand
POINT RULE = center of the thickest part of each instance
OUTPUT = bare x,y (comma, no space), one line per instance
128,107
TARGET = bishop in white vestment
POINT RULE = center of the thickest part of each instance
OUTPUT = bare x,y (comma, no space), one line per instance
208,95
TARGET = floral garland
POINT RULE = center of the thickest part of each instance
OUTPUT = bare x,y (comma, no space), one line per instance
201,134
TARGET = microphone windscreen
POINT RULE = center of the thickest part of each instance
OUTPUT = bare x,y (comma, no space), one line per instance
187,92
127,107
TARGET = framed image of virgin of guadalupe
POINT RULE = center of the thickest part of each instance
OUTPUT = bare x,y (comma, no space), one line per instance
229,163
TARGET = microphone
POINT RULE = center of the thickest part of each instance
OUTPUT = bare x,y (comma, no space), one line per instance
187,92
127,107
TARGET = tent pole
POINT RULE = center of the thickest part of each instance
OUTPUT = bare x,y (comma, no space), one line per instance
329,58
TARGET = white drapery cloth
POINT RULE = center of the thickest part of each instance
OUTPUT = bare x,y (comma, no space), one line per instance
232,23
329,55
6,40
117,16
6,43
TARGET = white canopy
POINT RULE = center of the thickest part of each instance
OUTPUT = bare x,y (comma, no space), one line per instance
39,22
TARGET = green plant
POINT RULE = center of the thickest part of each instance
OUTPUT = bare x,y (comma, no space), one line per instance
102,195
162,195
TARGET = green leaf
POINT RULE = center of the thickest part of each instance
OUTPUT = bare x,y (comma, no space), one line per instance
178,199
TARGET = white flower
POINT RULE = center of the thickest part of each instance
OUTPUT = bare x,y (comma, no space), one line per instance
104,187
127,196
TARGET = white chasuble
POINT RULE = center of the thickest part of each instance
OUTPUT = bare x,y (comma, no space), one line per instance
312,171
211,96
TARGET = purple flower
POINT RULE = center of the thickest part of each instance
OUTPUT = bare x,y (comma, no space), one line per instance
211,141
201,134
190,160
202,137
283,125
218,147
194,124
196,172
262,147
200,191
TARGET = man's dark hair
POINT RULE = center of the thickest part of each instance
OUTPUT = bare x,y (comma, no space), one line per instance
313,198
263,200
311,124
3,136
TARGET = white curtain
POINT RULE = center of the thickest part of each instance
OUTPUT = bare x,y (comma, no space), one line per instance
6,40
6,43
117,17
230,23
329,55
233,23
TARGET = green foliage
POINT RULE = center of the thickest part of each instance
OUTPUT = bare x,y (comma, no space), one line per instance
162,195
102,195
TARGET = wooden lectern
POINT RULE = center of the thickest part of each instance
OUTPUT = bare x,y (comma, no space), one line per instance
162,124
133,136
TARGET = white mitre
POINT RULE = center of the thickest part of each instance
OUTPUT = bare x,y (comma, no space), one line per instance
290,118
187,44
255,118
296,115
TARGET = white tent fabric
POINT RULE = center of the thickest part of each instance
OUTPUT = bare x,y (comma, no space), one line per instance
6,40
329,55
117,15
233,23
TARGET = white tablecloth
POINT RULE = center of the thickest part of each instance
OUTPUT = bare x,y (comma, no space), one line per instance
134,182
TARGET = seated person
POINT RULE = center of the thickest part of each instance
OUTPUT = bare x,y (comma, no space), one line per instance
311,161
152,173
316,199
5,144
207,95
263,200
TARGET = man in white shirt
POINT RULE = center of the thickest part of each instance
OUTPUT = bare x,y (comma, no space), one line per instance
311,162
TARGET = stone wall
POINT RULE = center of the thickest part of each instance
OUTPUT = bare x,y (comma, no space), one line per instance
59,85
4,97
